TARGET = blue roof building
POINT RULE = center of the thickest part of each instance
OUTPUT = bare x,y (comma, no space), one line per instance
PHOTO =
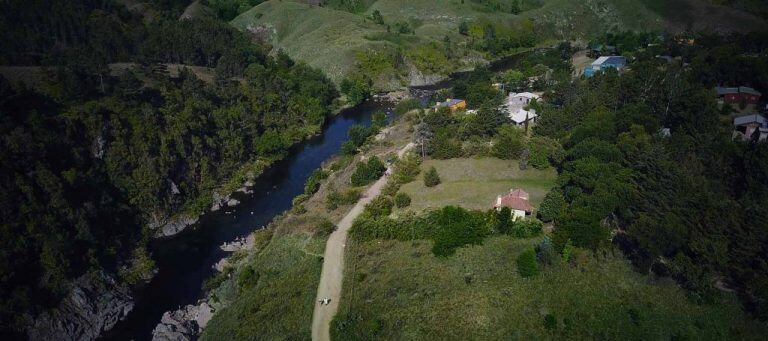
604,63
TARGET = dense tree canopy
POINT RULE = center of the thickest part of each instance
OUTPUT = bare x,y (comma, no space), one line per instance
91,157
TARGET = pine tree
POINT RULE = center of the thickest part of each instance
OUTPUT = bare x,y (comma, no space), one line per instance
431,178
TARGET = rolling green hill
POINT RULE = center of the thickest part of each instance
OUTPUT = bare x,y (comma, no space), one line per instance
330,37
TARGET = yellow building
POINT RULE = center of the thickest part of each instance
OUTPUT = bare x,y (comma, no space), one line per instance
452,103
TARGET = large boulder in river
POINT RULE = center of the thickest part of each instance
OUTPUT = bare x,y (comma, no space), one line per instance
184,324
93,306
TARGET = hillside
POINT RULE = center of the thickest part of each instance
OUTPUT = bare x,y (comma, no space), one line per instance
331,38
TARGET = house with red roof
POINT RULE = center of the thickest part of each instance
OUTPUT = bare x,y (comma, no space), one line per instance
517,201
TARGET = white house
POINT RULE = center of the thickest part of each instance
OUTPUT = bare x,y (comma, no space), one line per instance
516,107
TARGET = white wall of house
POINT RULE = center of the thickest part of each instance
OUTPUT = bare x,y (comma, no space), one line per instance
517,214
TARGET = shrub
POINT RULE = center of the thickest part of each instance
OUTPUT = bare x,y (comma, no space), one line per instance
325,228
369,172
526,264
552,205
508,143
300,199
504,221
247,278
348,148
336,199
407,105
431,178
402,200
313,181
455,227
545,151
379,207
545,252
550,322
526,228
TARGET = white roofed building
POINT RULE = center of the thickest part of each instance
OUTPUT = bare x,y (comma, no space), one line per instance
516,107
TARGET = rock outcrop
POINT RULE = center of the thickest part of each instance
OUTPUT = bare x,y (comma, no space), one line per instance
94,305
173,225
183,324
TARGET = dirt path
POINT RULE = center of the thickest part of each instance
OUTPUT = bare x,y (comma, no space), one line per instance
332,275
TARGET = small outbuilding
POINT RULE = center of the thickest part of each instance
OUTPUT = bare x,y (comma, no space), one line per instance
453,104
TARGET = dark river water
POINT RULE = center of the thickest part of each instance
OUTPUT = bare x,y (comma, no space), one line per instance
186,260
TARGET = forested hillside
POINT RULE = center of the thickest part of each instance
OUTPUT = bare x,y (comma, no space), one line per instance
691,204
89,158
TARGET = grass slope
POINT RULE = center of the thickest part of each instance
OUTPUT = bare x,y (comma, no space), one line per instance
323,38
276,302
399,290
475,183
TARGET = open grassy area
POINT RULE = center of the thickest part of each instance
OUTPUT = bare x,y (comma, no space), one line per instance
272,297
399,290
475,183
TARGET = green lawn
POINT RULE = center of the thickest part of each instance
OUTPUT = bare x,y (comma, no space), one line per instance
400,291
475,183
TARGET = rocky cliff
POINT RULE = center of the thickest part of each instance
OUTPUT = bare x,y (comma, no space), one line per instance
94,305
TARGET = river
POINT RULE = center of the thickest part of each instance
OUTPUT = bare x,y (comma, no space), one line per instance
185,261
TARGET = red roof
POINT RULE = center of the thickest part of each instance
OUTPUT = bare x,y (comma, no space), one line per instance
515,203
519,193
517,199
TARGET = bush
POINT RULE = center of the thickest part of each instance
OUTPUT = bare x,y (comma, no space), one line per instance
526,264
552,205
550,322
247,278
369,172
325,228
379,207
348,148
336,199
407,105
509,142
545,252
300,199
526,228
431,178
455,227
313,181
402,200
504,221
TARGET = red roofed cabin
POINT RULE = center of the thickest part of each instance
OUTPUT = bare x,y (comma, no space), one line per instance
517,201
736,95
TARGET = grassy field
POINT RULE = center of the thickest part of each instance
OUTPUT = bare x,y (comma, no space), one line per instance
399,290
475,183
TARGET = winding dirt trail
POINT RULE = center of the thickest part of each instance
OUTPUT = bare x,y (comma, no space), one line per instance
332,275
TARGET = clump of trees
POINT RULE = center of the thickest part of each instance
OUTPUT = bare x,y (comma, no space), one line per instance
368,172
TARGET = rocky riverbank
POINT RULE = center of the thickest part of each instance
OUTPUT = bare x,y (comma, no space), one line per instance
184,324
94,305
